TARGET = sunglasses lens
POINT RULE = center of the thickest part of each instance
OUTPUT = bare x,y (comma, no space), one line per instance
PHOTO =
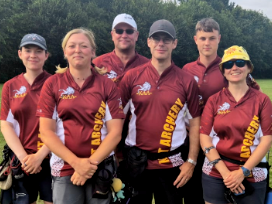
240,63
129,31
119,31
228,65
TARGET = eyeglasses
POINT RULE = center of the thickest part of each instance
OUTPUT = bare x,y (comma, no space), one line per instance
165,40
238,63
121,31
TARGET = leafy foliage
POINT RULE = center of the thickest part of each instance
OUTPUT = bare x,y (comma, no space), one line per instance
54,18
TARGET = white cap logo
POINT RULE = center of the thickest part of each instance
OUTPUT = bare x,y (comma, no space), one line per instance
124,18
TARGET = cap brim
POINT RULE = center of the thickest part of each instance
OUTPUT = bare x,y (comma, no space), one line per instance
33,43
161,31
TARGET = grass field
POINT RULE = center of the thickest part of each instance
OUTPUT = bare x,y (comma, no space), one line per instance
266,86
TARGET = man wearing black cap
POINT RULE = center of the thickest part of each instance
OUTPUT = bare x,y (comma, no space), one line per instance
158,94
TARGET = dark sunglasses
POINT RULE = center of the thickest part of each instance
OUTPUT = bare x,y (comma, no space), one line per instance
238,63
128,31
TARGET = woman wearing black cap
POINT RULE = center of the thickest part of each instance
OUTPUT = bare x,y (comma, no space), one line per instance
19,123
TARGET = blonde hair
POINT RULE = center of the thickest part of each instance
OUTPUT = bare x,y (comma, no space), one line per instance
88,33
102,70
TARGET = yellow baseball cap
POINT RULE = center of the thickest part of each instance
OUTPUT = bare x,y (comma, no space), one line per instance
235,52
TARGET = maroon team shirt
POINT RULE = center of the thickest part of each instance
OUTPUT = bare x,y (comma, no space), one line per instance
80,114
19,105
158,105
236,127
115,69
210,80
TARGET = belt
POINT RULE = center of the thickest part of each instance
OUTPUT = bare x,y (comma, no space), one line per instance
261,164
155,156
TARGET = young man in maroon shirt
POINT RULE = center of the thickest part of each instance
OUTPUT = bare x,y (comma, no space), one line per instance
124,35
210,80
158,94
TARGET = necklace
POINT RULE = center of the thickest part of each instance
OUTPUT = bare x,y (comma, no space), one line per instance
79,79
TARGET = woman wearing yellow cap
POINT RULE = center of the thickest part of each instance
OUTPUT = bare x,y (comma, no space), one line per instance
236,134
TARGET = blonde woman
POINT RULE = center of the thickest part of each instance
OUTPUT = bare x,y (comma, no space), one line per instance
81,123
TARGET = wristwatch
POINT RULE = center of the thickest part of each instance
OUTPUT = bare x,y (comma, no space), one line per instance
246,172
191,161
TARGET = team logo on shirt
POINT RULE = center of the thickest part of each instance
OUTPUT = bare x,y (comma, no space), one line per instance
112,75
67,93
120,103
20,93
144,89
224,109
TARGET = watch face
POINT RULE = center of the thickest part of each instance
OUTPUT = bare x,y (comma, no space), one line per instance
246,172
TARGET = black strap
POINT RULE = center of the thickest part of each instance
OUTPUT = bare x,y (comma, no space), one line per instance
261,164
155,156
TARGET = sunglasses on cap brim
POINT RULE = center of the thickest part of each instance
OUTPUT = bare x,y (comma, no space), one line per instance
239,63
121,31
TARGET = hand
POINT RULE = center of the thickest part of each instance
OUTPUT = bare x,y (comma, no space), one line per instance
186,172
234,180
239,189
32,164
78,180
86,167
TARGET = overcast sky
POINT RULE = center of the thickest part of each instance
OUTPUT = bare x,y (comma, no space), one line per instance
264,6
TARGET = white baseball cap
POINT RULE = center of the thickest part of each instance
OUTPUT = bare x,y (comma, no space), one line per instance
124,18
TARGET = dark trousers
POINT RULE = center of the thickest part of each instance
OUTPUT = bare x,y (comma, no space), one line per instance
194,185
160,183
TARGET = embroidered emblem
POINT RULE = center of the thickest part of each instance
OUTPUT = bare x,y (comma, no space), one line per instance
112,75
20,93
196,78
34,37
144,89
68,93
224,109
120,103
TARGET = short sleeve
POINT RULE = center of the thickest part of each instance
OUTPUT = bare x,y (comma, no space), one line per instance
266,116
5,103
193,99
125,91
114,107
207,117
47,102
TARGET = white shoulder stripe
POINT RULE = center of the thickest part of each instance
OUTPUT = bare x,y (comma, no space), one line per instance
108,114
15,123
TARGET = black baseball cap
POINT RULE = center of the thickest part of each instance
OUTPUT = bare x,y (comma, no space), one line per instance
164,26
33,39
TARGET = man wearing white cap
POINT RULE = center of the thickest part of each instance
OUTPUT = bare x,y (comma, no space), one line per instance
124,35
158,94
123,58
